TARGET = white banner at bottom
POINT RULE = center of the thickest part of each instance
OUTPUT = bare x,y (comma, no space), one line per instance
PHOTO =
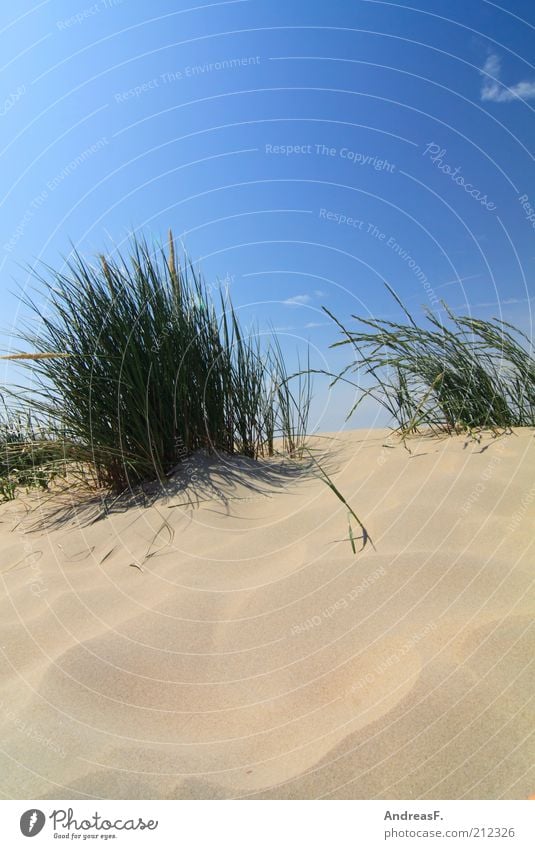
244,824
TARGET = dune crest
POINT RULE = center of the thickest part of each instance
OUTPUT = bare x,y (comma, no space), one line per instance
224,641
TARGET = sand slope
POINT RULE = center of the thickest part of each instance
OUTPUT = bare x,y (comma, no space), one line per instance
253,655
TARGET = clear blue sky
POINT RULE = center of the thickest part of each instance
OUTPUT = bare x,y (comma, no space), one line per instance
305,151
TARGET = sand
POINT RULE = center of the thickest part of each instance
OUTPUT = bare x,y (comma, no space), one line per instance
253,655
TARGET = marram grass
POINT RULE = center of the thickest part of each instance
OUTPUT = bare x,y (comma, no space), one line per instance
137,368
456,373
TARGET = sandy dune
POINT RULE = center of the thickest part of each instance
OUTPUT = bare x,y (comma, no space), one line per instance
251,654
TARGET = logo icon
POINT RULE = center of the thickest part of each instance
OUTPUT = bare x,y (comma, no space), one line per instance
32,822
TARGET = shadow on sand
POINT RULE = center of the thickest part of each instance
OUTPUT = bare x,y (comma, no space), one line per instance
199,479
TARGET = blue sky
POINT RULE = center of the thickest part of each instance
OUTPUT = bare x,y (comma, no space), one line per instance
303,152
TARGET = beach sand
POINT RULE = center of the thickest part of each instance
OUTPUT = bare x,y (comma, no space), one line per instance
253,655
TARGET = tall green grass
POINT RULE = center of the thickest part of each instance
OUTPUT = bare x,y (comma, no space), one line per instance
137,368
452,374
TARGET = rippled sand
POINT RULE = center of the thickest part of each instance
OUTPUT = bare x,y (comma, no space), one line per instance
225,641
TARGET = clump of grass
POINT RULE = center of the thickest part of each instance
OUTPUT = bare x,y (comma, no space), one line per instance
293,406
133,363
29,457
452,375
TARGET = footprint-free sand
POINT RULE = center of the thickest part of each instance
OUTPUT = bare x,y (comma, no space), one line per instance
223,641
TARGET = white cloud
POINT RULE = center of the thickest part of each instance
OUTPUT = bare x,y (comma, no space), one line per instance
504,302
297,300
495,91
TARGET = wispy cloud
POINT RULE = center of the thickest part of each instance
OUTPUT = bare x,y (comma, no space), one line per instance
297,300
495,91
311,324
504,302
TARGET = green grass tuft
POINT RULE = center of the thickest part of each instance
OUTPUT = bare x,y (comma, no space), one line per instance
136,369
451,375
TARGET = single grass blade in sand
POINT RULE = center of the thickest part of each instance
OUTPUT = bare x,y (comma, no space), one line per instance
332,486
